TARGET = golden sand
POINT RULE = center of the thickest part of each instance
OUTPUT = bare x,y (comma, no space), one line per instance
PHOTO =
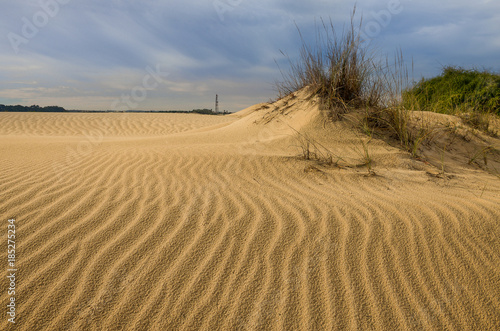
192,222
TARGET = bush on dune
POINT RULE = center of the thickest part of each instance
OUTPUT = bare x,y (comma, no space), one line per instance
458,90
347,75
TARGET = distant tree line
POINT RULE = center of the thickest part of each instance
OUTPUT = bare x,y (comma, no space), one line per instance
57,109
208,112
34,108
203,111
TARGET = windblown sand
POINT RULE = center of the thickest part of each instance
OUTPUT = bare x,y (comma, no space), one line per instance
192,222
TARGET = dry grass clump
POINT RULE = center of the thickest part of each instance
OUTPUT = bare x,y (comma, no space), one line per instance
338,68
347,75
394,114
350,79
481,121
310,149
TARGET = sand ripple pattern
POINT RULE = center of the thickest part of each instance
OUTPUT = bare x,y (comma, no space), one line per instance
107,124
148,236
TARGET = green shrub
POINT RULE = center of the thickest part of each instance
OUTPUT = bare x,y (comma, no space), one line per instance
458,90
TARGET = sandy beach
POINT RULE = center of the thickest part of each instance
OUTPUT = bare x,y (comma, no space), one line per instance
195,222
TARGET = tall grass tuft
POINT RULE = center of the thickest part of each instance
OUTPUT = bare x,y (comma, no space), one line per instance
347,74
338,68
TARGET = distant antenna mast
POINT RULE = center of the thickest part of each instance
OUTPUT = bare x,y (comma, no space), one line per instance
217,103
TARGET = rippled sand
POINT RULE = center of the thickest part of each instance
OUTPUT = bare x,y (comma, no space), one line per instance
192,222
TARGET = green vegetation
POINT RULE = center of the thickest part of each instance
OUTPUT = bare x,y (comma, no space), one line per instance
206,111
34,108
350,79
458,90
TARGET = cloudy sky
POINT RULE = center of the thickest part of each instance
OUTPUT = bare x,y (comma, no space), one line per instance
152,54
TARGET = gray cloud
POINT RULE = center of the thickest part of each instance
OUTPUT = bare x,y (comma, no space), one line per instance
91,51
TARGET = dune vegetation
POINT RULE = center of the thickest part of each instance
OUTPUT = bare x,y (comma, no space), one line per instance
458,90
349,77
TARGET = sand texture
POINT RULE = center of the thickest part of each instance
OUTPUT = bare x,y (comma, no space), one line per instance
192,222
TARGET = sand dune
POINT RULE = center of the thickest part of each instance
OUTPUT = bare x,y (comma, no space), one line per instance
191,222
